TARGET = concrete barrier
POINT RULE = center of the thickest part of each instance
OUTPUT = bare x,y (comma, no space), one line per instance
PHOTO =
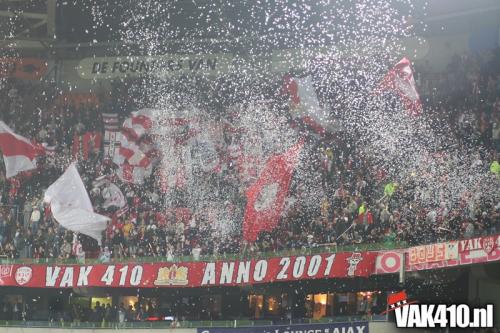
374,327
385,327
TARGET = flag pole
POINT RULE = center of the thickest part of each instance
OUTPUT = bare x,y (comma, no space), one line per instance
342,234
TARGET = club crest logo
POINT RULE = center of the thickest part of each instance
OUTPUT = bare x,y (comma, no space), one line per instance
23,275
172,276
489,244
353,262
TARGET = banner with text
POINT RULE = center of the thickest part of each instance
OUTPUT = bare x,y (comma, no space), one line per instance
456,253
160,66
432,253
191,274
353,327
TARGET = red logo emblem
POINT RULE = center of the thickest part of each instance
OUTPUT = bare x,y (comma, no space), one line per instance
489,244
23,275
397,300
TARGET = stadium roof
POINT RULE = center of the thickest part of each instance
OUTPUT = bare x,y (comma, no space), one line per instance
52,23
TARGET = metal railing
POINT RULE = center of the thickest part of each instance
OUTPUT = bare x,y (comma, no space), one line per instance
325,248
185,324
321,248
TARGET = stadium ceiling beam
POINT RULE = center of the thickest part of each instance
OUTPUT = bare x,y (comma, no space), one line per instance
51,18
34,21
22,33
28,15
32,27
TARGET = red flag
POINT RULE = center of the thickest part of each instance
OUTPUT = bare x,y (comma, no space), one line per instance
400,80
19,154
266,197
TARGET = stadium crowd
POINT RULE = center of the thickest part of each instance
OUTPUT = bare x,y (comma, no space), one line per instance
101,315
360,206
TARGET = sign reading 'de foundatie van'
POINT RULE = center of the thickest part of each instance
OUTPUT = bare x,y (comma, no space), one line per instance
191,274
354,327
160,66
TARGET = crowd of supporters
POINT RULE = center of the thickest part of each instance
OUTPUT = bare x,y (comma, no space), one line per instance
100,315
360,205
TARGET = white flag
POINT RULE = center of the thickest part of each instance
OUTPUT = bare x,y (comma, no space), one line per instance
305,105
71,206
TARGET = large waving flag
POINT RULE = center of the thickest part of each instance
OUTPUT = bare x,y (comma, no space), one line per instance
134,164
18,153
266,197
133,174
131,152
135,153
400,80
139,123
71,207
305,106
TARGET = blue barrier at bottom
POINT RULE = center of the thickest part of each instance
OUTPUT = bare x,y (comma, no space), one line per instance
354,327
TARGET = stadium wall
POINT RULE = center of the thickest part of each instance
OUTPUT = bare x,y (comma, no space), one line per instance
484,287
79,330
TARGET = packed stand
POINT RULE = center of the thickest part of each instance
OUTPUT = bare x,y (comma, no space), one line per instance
360,205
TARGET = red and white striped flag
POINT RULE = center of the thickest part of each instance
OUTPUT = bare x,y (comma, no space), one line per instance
131,152
133,174
147,146
139,123
133,158
19,154
400,80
